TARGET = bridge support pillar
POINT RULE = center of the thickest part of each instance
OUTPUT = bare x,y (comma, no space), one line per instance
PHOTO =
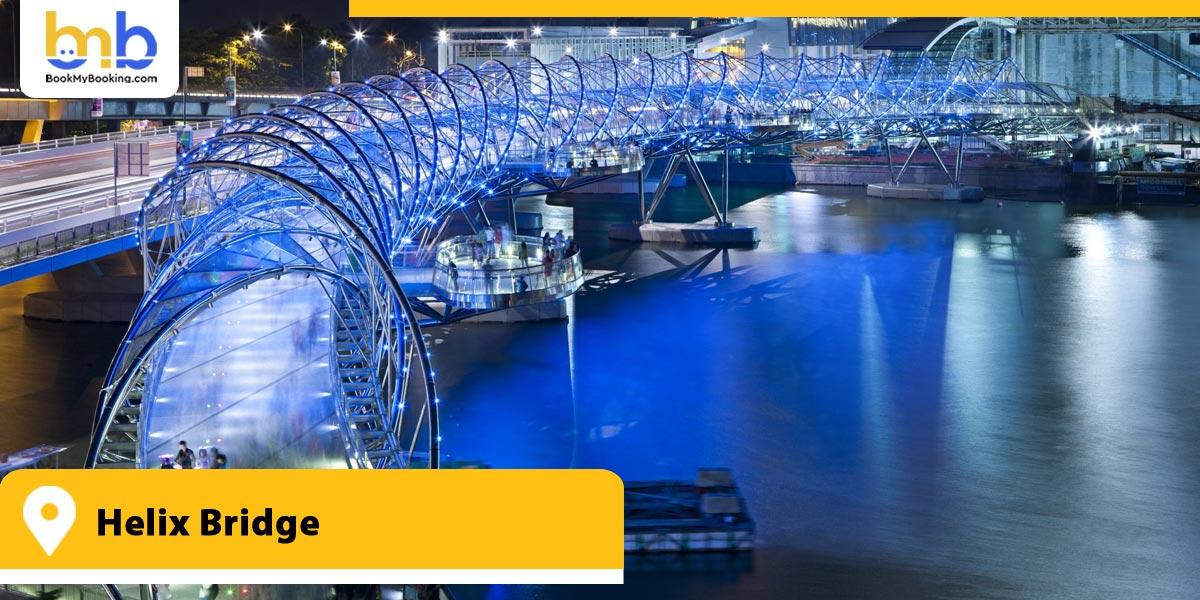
33,131
705,191
887,151
641,187
958,161
725,188
663,184
512,213
938,158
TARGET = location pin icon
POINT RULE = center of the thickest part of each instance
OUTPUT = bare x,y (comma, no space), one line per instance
49,532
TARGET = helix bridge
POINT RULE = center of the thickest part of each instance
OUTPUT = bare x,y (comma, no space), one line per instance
280,325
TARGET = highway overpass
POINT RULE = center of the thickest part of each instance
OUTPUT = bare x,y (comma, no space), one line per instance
201,105
58,209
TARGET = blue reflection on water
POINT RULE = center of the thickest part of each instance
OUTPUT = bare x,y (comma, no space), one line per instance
918,399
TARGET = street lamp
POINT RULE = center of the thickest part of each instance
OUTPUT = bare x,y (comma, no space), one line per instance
358,41
334,46
288,29
233,44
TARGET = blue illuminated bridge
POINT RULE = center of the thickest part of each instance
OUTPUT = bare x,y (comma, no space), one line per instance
276,326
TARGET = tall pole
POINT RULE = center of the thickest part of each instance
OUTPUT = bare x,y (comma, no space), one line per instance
287,28
725,190
185,78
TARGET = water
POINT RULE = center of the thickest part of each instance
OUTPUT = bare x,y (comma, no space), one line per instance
51,373
918,399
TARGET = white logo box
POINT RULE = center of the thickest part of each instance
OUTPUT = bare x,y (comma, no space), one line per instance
99,48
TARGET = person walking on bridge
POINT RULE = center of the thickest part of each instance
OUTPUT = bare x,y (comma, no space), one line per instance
523,253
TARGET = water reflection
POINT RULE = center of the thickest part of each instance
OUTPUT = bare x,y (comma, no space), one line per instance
919,399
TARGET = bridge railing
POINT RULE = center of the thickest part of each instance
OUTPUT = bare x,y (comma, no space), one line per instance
48,215
60,241
104,137
501,278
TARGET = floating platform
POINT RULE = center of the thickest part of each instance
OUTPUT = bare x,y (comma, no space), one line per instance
921,191
707,515
702,234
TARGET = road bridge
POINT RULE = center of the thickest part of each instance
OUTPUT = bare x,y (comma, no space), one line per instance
59,207
200,105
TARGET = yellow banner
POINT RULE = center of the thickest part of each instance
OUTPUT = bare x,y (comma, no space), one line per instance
677,8
291,520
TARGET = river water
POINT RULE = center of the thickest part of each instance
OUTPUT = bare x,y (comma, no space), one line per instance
918,399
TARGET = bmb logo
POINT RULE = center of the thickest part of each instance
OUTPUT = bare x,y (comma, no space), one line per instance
67,45
108,49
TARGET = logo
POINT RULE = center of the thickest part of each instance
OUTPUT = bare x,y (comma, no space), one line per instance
72,44
73,49
49,514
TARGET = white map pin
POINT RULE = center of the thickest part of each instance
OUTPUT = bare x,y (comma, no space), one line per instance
49,532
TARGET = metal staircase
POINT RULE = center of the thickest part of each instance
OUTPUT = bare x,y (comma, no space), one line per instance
1152,50
120,446
366,425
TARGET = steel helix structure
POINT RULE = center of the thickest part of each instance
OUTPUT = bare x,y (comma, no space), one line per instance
275,327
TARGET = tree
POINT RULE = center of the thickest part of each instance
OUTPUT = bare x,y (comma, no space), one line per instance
401,57
226,52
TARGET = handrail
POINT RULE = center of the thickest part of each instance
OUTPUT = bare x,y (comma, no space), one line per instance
1150,49
480,280
104,137
61,241
59,211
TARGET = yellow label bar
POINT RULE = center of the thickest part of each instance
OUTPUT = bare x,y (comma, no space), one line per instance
678,8
299,520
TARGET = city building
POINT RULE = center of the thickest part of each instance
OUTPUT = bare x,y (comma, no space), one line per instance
1136,60
472,47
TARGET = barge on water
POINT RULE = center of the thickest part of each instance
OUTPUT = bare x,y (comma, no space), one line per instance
707,515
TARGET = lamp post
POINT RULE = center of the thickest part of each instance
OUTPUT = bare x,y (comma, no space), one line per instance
288,28
358,41
334,46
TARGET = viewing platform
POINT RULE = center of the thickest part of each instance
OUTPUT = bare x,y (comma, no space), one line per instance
584,161
761,122
500,278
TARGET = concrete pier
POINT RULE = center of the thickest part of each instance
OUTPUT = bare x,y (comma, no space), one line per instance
703,234
923,191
